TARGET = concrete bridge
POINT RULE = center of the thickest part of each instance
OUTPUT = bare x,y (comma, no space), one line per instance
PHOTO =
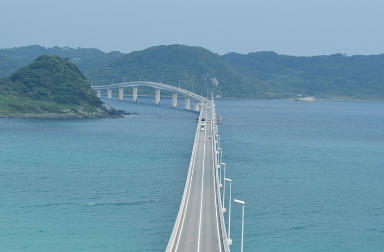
188,95
200,224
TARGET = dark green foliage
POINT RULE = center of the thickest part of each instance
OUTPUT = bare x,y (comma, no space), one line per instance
334,76
261,74
7,65
84,58
49,85
195,67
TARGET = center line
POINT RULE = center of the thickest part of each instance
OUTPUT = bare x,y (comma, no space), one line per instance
202,182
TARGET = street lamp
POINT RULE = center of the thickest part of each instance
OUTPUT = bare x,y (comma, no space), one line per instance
225,166
219,168
242,221
229,211
219,153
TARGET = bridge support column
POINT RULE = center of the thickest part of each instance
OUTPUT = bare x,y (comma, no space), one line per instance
157,96
134,94
187,103
98,93
196,107
109,93
121,94
174,100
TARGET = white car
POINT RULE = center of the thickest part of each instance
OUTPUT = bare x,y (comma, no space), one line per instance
202,127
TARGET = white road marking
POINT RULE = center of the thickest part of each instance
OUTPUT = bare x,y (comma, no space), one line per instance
202,187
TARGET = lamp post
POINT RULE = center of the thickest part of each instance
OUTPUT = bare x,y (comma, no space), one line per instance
220,150
224,168
242,221
219,167
229,211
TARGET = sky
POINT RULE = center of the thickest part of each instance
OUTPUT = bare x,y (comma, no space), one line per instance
293,27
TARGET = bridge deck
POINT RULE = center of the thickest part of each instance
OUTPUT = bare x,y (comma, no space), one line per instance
200,224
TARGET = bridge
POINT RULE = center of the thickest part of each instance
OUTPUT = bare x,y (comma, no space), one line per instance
200,224
157,86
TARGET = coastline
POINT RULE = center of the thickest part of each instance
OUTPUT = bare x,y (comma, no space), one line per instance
58,116
293,99
117,114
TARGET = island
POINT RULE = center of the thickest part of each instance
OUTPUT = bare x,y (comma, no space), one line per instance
51,87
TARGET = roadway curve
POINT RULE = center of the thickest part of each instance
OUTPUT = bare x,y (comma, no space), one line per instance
158,85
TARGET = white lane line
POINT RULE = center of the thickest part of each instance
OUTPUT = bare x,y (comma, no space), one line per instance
202,184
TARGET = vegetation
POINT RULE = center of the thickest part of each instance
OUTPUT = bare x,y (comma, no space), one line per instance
7,65
196,68
256,75
84,58
334,76
49,87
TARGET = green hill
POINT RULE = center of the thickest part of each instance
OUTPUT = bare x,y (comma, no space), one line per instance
253,75
49,87
84,58
333,76
195,67
7,65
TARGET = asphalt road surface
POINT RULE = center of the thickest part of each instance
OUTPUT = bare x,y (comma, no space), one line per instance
199,227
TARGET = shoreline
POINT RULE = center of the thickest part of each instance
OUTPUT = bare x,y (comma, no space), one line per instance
293,99
64,116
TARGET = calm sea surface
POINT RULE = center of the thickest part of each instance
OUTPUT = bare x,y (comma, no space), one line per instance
312,175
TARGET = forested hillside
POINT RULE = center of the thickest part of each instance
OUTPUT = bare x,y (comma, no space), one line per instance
254,75
195,68
333,76
84,58
49,87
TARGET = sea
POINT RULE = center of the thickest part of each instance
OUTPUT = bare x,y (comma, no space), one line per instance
311,174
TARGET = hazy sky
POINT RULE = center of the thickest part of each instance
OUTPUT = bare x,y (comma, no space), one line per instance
295,27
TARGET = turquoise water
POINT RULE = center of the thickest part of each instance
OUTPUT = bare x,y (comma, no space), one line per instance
93,185
311,173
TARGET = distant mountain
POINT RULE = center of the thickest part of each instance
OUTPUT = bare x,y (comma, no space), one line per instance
333,76
253,75
84,58
195,67
49,87
7,65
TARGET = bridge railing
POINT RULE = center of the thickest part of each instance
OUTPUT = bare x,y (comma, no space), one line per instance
183,206
217,184
153,85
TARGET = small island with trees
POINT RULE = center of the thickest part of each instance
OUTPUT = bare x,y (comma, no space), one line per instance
50,87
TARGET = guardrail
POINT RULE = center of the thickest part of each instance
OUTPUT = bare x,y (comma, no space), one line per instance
153,85
217,182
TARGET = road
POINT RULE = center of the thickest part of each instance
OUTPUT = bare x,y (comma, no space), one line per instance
199,227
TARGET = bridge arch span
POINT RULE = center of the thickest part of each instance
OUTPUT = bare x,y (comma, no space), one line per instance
155,85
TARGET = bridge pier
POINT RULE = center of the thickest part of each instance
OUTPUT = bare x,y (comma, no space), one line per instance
121,94
134,94
174,100
109,93
157,96
187,103
98,93
196,107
